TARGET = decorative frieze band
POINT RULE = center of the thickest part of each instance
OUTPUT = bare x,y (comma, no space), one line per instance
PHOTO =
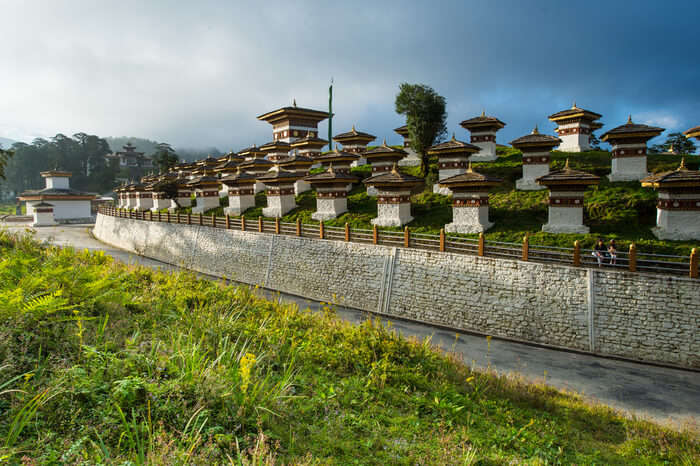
471,202
539,160
184,193
393,199
241,192
331,194
484,138
279,191
448,165
574,130
566,201
206,193
629,152
678,204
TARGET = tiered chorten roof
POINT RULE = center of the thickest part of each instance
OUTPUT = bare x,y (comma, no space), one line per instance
693,133
453,146
330,177
482,121
536,140
279,175
575,112
252,152
568,177
275,146
286,113
238,178
678,178
337,156
393,179
632,130
470,179
385,152
296,161
309,141
354,137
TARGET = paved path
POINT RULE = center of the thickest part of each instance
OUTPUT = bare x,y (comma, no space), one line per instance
664,394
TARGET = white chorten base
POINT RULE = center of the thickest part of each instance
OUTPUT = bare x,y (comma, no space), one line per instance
239,204
278,206
205,203
393,215
532,171
372,191
182,202
144,204
43,219
628,169
565,220
160,204
469,220
330,208
577,142
680,225
301,186
487,152
411,160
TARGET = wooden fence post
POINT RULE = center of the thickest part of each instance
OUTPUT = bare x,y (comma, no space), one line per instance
375,234
159,216
442,240
320,230
213,220
228,222
406,237
277,225
167,216
633,258
577,253
260,224
242,222
694,263
526,248
298,226
482,241
347,231
189,218
201,222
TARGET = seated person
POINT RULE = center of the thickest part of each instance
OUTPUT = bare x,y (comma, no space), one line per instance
612,251
599,251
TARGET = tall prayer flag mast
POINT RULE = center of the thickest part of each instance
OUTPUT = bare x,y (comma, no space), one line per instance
330,116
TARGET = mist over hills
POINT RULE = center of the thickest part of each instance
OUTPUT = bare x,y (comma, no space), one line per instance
148,147
6,143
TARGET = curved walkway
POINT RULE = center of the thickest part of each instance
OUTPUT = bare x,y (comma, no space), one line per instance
664,394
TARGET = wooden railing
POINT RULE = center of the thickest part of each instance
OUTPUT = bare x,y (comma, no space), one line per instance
632,260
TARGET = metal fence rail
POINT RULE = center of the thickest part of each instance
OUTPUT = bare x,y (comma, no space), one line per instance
631,260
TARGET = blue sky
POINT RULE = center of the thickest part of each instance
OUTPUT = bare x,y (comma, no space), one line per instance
199,74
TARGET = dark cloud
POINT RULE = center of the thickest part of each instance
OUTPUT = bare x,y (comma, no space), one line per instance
198,74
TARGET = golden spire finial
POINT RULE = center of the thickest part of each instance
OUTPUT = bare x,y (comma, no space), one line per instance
682,166
330,169
453,137
629,119
573,106
336,149
535,131
394,170
353,129
566,165
238,170
483,112
469,168
384,143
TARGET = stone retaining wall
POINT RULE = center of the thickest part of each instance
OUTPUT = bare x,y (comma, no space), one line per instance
637,316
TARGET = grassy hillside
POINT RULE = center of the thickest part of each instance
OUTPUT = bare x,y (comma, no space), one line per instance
110,364
625,212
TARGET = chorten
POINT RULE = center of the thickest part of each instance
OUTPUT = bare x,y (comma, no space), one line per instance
575,127
355,142
536,149
629,150
299,164
183,197
412,158
290,123
309,145
331,193
678,207
67,203
279,189
252,152
206,191
381,159
276,151
257,167
341,160
483,131
393,196
453,159
470,201
160,201
566,190
240,187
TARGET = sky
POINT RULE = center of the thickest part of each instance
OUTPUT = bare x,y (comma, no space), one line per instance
197,74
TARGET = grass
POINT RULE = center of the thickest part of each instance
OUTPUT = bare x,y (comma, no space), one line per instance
9,209
625,212
105,363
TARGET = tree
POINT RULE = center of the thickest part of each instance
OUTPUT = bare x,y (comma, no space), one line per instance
679,144
164,157
425,117
5,156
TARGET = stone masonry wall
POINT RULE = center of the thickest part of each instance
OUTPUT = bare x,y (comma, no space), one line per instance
638,316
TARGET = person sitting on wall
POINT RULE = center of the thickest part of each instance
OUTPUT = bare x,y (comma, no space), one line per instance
599,251
612,252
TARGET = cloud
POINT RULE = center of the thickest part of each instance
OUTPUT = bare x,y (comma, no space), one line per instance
197,74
